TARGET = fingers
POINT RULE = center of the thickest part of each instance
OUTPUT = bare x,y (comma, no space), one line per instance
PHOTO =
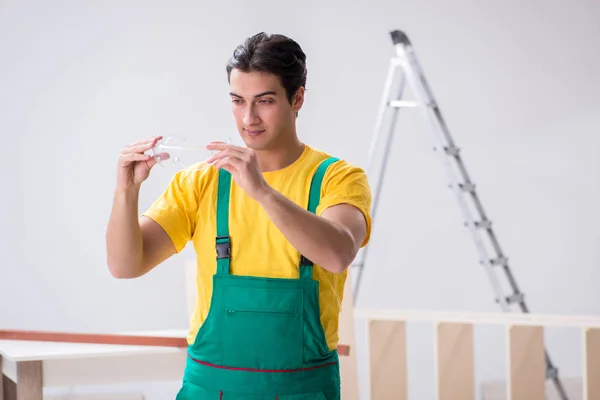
227,163
151,163
139,149
231,152
162,156
220,146
141,146
132,157
134,152
151,139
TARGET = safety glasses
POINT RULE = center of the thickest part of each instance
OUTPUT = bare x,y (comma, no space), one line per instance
180,152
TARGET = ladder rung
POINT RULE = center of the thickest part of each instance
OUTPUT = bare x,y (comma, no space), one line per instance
406,60
551,373
403,103
496,261
499,261
486,224
515,298
452,150
467,187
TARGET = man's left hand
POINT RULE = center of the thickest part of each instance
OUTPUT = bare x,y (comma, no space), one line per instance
242,164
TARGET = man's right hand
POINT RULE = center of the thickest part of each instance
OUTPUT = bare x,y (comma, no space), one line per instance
134,166
135,245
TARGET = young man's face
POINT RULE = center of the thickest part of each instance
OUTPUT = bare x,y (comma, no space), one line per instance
264,117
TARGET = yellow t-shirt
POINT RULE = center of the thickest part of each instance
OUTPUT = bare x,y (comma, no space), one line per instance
186,210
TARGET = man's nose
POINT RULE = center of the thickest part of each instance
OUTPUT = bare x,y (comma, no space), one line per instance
250,116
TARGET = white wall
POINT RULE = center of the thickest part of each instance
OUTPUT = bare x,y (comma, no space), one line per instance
517,83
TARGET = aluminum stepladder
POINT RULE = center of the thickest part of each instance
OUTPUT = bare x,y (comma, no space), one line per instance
406,68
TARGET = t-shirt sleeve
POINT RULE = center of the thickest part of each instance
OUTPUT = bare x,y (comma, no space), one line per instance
345,183
176,208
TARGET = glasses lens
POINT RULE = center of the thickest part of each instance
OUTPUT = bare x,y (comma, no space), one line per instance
180,151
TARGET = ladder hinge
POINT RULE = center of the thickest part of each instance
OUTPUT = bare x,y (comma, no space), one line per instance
403,103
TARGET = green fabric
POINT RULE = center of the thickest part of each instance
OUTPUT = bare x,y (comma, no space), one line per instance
314,198
222,239
262,338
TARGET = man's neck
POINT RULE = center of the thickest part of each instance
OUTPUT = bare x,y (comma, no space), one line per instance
280,157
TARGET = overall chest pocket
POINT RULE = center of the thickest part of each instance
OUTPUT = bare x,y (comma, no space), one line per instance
263,328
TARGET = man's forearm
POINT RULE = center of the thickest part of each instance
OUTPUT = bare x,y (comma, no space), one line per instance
324,242
124,242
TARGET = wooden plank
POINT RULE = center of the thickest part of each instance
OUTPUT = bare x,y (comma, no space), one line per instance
92,338
1,380
344,350
479,318
29,380
591,363
103,396
347,340
191,286
10,388
387,360
455,363
496,390
526,363
114,369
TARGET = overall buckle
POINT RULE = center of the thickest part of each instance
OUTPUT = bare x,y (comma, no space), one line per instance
223,247
305,261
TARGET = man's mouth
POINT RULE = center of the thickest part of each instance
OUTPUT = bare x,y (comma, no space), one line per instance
254,132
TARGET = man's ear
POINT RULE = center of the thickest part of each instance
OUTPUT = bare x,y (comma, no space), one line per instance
298,99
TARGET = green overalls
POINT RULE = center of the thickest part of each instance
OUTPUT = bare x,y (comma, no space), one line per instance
262,337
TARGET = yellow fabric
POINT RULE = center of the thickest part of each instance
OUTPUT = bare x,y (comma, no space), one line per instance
187,212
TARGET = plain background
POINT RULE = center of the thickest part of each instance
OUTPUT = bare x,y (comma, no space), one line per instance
516,81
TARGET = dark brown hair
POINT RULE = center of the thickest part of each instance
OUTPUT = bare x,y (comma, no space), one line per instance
273,53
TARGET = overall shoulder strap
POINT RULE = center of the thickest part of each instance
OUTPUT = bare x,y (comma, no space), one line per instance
223,245
314,198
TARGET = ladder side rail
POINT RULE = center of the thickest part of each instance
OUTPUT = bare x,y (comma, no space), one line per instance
454,182
500,257
423,92
378,186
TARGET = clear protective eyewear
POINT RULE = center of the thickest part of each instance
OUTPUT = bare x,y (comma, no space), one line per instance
180,152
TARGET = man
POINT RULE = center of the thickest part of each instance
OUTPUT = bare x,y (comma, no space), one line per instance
275,224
